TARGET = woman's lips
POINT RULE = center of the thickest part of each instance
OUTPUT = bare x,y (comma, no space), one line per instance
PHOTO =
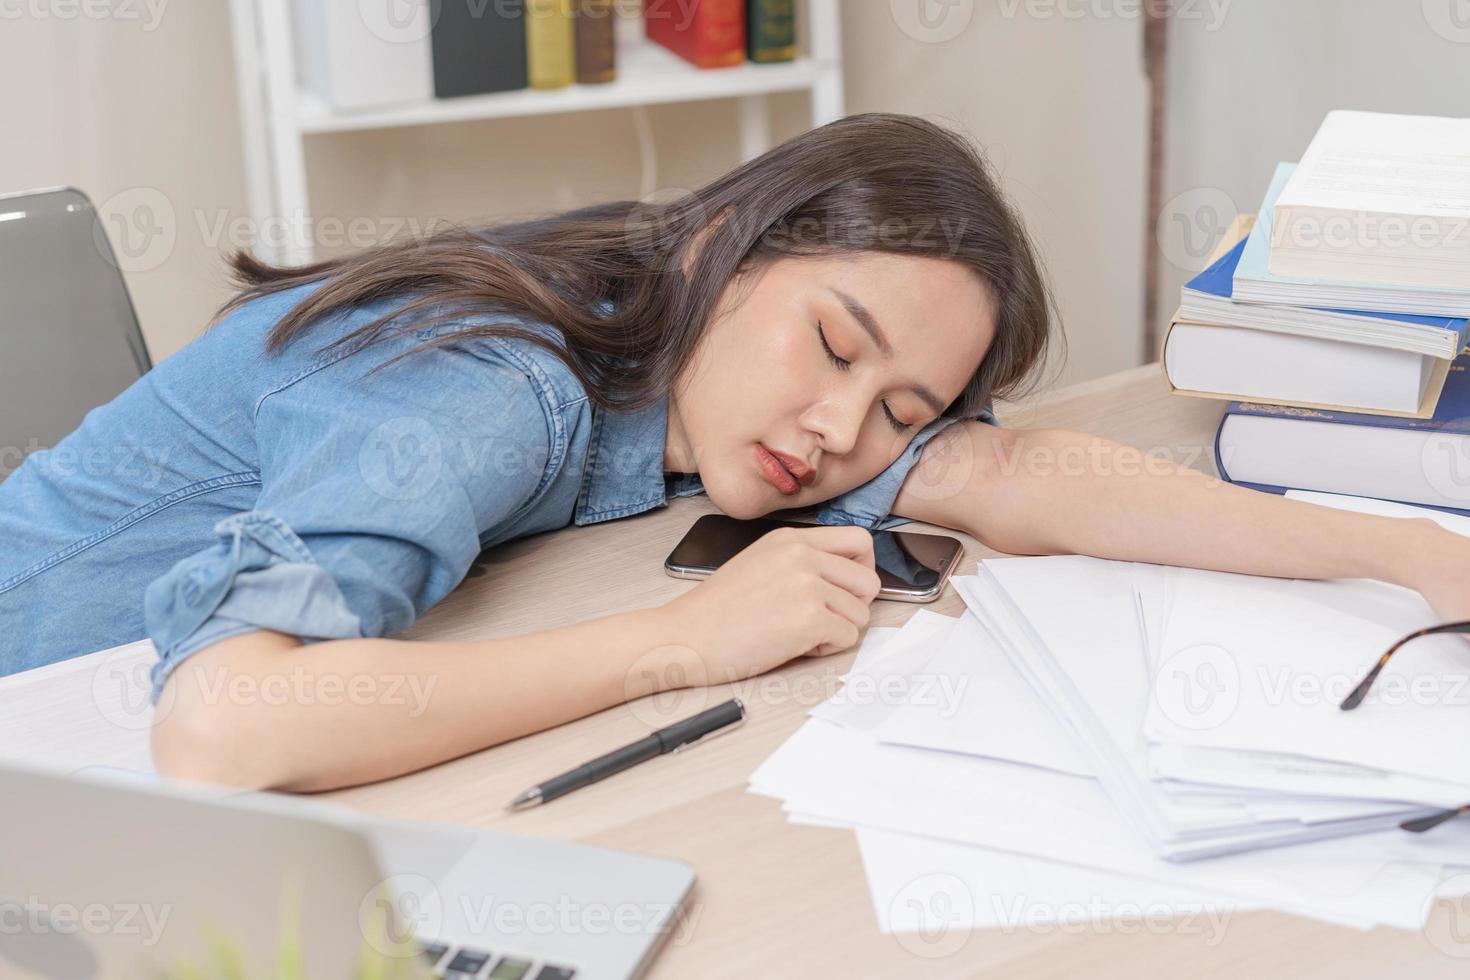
776,474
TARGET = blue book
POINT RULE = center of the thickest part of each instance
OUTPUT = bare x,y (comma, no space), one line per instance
1255,283
1209,298
1425,462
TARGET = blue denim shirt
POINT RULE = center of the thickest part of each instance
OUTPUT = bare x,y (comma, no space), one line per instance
230,490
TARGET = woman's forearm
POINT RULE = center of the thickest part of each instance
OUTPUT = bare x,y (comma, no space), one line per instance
263,710
1050,491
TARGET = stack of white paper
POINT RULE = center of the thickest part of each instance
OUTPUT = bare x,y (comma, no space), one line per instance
1101,740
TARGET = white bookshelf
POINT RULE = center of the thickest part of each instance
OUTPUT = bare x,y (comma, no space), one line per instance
278,115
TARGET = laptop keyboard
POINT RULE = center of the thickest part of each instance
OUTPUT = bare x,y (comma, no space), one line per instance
468,963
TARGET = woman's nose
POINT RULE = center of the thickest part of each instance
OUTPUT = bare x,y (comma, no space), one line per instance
837,426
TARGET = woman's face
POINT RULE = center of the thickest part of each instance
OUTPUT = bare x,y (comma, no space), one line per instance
761,380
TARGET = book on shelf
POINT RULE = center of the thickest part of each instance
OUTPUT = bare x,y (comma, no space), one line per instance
1255,282
477,47
352,62
596,36
1378,198
708,34
551,43
770,30
1411,461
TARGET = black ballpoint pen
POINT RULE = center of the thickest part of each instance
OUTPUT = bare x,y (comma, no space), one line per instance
680,735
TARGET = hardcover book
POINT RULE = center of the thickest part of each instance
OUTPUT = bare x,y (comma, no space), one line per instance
708,33
478,47
770,30
1410,461
596,42
550,43
1209,298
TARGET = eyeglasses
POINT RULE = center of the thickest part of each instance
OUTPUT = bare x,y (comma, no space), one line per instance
1419,824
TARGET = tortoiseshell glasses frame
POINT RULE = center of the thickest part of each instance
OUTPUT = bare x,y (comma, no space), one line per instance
1419,824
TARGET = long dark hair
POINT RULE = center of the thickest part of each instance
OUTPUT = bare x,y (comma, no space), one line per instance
875,181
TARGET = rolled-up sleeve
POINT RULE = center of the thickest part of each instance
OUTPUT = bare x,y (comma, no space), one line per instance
374,494
871,504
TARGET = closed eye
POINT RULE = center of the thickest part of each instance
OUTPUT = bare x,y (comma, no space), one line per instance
845,365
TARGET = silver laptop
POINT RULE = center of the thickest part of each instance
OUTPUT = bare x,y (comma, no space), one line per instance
113,875
69,339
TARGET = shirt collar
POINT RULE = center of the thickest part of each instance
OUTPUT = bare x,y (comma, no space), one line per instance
624,474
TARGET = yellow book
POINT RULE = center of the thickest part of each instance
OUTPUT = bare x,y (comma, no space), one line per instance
551,43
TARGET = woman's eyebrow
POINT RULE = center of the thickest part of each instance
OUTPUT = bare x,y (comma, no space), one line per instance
869,323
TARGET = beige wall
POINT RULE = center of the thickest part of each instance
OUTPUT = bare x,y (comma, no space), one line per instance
1057,105
130,110
144,110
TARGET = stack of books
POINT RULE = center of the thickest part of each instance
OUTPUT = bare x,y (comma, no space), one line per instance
428,49
1335,321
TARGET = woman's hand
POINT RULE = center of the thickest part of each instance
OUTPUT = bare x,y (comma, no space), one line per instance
796,591
1436,563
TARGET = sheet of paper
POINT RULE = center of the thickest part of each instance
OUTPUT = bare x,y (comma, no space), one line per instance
1383,508
1091,665
1263,664
1090,642
982,706
1237,773
1152,587
927,886
837,774
875,643
879,681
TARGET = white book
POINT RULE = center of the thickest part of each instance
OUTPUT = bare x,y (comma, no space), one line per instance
1412,465
356,56
1256,365
1378,198
1255,283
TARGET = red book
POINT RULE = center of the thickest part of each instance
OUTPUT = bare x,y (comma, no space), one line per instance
709,33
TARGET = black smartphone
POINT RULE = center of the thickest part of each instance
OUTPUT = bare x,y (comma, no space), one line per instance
912,567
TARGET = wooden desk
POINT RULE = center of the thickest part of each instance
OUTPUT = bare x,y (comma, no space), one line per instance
772,900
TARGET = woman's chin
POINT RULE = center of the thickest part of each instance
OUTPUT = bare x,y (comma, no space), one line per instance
744,504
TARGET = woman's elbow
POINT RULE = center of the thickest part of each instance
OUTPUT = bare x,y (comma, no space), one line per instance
203,731
204,748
